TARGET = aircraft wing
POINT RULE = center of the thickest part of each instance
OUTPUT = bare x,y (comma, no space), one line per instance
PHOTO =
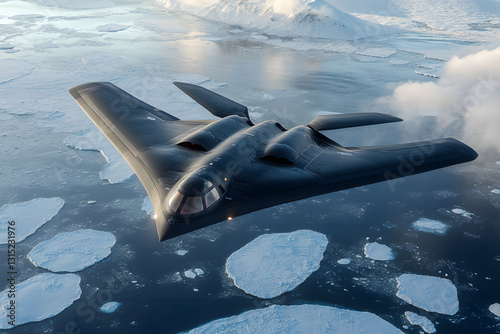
132,123
144,135
350,167
319,165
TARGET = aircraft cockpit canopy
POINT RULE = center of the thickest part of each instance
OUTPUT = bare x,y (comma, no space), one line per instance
195,194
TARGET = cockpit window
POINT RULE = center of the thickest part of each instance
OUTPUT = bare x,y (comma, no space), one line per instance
201,185
175,201
211,197
194,195
192,205
207,185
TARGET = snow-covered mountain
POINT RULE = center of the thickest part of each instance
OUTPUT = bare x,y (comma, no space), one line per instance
306,18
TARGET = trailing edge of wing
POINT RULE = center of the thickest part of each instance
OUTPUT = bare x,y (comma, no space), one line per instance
217,104
331,122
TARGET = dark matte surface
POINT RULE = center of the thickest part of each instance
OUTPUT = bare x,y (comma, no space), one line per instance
250,166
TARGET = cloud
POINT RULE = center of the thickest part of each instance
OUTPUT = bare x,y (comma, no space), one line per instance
465,100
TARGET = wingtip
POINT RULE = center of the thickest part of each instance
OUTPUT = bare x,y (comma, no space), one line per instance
74,90
183,85
469,152
465,151
349,120
391,118
217,104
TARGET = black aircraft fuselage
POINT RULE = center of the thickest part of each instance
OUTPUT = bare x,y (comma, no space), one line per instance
198,173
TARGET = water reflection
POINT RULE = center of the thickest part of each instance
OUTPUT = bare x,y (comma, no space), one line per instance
246,60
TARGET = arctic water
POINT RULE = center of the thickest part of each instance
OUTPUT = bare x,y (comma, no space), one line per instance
47,47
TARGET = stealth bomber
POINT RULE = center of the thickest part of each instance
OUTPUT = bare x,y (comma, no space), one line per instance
201,172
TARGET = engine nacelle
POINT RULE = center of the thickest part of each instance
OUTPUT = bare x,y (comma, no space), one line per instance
214,133
289,145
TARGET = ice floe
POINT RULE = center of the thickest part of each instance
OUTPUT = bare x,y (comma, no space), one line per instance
377,52
398,62
112,27
117,169
430,226
29,216
462,212
273,264
78,4
421,321
305,318
110,307
189,273
40,297
72,251
27,17
495,309
159,24
193,273
433,71
147,206
344,261
496,191
377,251
181,252
433,294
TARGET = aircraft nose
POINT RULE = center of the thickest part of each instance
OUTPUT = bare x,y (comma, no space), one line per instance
162,228
169,228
